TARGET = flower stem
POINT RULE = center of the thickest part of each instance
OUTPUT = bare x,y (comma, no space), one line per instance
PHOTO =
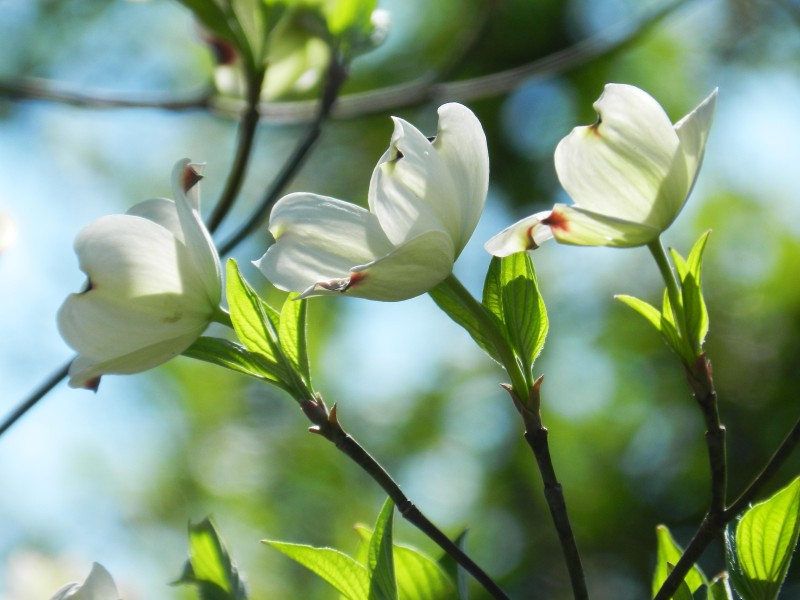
327,425
526,399
673,287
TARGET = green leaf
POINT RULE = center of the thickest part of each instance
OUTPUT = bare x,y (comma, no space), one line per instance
349,14
682,592
692,293
670,332
213,18
209,567
380,560
765,538
347,576
419,577
648,311
233,356
455,570
524,312
492,291
292,336
249,317
720,588
668,553
446,299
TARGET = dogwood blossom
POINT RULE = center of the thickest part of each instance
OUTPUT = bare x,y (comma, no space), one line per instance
98,586
629,175
153,286
425,199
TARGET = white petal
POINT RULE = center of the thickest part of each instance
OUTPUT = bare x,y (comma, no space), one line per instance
319,239
693,131
527,234
161,211
461,144
84,371
408,271
579,227
98,586
142,289
185,184
410,190
625,166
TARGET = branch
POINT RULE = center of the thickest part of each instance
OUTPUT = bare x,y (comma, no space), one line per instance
31,401
327,425
419,91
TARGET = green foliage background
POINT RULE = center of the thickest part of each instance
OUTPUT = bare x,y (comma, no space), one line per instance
626,440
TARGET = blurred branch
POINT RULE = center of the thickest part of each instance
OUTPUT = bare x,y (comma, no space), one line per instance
327,425
419,91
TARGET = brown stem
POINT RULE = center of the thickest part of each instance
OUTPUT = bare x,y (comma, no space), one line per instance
327,425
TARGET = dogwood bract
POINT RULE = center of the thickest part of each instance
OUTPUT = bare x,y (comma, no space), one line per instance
629,175
98,586
425,199
153,286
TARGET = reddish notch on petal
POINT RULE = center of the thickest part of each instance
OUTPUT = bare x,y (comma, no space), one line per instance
190,178
556,221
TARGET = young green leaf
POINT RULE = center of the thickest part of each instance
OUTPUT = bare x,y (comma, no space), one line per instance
692,294
209,567
347,576
233,356
445,299
380,559
249,318
213,18
765,538
720,588
668,553
524,312
456,571
648,311
292,335
419,577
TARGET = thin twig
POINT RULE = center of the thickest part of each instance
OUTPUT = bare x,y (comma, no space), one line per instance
337,75
327,425
419,91
34,398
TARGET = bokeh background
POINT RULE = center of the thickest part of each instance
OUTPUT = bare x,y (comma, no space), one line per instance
115,476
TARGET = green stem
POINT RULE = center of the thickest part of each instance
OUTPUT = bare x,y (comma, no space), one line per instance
327,425
527,401
673,287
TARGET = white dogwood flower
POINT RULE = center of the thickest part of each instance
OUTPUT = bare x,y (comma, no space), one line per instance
629,175
425,199
98,586
154,284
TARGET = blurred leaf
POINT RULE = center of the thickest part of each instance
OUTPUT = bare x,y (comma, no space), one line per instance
720,588
292,335
446,299
213,18
524,312
346,575
380,559
344,15
765,538
454,570
209,567
668,553
233,356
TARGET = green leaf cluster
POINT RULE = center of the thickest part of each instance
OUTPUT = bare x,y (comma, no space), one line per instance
684,327
210,568
272,345
380,570
758,553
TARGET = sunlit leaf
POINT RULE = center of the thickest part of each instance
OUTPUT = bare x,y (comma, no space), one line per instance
668,552
347,576
292,335
648,311
694,304
766,536
209,567
235,357
720,588
445,299
380,559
